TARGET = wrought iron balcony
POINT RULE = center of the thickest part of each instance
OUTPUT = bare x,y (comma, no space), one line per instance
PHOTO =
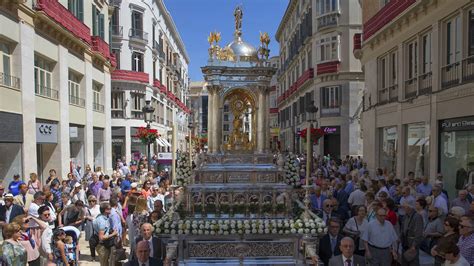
9,81
98,107
115,3
117,113
411,87
138,34
117,30
388,95
328,20
46,92
425,83
77,101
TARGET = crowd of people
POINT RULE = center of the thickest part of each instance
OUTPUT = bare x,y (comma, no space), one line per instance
389,219
378,218
42,223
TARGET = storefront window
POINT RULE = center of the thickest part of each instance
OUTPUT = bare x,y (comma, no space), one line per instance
10,161
417,153
456,159
388,148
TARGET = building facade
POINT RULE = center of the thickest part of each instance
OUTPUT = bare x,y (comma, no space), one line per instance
317,64
418,112
198,101
54,86
152,64
273,107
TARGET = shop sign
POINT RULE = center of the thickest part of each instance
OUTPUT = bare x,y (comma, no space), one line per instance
73,132
330,130
465,123
165,156
117,140
46,133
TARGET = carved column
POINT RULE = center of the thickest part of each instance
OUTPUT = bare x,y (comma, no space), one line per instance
218,120
210,111
261,121
267,121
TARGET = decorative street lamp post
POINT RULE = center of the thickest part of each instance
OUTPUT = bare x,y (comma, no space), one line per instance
191,127
312,110
148,114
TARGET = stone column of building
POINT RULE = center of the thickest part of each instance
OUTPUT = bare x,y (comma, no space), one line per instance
89,129
267,121
261,121
128,137
26,57
210,120
63,132
108,164
218,120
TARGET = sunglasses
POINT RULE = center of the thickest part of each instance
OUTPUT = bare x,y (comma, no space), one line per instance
464,226
46,214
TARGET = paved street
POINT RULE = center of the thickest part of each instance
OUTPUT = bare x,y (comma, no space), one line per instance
85,258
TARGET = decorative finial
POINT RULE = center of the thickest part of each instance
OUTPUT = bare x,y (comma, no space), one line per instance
238,14
265,41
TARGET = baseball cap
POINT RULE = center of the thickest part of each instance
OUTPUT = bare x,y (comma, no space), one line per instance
8,195
77,185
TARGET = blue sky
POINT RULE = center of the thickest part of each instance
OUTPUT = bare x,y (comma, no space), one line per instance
196,18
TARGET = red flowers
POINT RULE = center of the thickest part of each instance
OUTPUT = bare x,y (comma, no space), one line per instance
147,135
316,134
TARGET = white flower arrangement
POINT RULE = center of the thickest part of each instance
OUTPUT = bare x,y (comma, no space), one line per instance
292,170
183,171
314,226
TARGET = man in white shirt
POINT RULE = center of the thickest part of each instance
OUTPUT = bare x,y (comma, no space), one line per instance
357,197
154,197
439,200
38,200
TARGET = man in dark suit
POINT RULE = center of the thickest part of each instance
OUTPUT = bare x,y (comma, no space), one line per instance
142,256
328,211
329,244
347,256
157,248
10,210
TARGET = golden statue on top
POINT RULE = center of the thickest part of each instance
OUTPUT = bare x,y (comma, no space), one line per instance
238,14
239,103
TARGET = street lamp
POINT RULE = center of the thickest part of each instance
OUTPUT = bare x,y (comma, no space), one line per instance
148,113
191,127
311,110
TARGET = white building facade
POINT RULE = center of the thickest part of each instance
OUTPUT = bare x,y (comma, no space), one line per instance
54,86
418,113
317,64
152,64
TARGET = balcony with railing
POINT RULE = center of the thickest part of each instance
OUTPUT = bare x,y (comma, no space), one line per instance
46,92
98,107
468,69
101,47
73,100
55,10
411,87
137,114
334,110
425,83
128,75
388,95
9,81
457,73
118,113
116,30
138,35
328,67
328,20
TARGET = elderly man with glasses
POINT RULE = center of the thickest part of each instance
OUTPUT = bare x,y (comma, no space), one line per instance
380,240
466,240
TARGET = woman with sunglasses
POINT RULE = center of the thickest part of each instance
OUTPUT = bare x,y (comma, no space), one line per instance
93,210
26,240
59,248
451,228
13,251
146,191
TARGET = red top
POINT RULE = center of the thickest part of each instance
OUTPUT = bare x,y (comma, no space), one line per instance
391,217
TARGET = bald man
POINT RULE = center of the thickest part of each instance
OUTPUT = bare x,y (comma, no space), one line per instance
157,248
347,256
142,256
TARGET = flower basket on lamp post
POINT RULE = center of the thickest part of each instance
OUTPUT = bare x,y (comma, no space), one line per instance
316,134
147,135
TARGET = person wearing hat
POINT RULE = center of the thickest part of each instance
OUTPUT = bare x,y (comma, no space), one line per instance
10,210
14,186
78,193
411,233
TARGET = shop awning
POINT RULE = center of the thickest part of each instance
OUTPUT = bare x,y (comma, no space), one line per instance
158,140
166,142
